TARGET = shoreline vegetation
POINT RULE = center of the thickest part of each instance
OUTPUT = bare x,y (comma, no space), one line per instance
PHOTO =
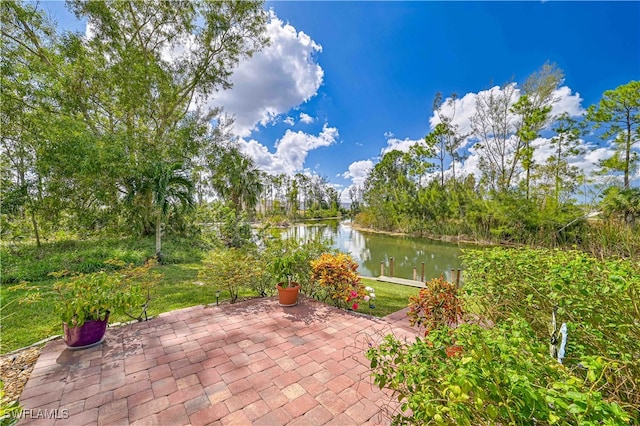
602,238
444,238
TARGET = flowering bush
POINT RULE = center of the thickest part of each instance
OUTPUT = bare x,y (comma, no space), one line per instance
337,274
435,306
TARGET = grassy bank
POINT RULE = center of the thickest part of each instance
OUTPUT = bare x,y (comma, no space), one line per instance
26,262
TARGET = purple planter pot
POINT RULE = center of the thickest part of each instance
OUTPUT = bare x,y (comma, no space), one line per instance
89,334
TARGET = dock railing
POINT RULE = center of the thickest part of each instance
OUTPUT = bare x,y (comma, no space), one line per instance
456,275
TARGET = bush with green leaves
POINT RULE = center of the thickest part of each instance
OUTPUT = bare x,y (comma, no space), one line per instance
230,269
435,306
501,375
9,410
234,229
86,297
496,367
598,299
300,252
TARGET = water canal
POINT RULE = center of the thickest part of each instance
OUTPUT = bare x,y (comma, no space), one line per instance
370,249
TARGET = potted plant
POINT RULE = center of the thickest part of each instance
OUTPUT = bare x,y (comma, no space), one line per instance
86,301
284,268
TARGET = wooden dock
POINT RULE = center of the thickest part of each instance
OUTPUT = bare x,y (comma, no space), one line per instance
400,281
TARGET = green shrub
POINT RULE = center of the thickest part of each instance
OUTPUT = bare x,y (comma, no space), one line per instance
9,410
435,306
275,249
85,297
598,299
499,375
500,371
229,269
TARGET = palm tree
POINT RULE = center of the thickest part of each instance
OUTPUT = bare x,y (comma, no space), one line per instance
167,186
624,203
236,179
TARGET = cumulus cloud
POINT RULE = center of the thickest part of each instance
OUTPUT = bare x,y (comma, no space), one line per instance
283,75
461,111
395,144
358,171
291,150
565,101
306,118
289,121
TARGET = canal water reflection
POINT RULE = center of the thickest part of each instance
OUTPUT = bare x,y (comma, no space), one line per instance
370,249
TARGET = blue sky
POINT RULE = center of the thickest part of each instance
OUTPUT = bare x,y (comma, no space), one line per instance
343,82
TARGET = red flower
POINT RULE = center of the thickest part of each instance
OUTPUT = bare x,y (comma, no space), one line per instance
355,306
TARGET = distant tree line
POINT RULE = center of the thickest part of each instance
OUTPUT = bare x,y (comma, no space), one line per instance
517,198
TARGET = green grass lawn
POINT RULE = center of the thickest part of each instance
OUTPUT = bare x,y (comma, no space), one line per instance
24,324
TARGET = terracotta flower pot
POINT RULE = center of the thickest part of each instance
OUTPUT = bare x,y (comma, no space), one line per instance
288,296
89,334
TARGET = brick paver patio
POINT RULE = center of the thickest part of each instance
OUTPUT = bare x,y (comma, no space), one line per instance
249,363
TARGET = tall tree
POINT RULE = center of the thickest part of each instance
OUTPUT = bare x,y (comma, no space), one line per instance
494,125
562,177
448,138
27,109
235,178
303,185
436,142
292,197
533,109
618,112
389,190
532,121
137,79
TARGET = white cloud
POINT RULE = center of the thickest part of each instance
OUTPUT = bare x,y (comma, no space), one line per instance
395,144
289,121
283,75
358,171
291,150
464,108
567,102
306,118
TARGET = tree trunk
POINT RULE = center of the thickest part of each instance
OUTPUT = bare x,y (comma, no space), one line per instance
158,234
35,228
627,160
